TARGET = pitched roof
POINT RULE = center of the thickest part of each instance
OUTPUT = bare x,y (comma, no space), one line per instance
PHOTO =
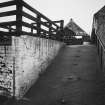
69,32
74,27
101,11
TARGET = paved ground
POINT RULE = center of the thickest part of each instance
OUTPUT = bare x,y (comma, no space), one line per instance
73,78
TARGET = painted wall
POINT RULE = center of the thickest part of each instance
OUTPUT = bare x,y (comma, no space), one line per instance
28,57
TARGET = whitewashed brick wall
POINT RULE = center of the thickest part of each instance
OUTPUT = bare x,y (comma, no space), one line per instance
32,56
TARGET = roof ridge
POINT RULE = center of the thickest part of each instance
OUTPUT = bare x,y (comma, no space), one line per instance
74,27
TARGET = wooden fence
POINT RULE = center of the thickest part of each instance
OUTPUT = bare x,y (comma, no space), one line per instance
38,21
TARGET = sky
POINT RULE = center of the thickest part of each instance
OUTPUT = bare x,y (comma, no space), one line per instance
80,10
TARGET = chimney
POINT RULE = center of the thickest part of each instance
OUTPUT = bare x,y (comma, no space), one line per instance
71,20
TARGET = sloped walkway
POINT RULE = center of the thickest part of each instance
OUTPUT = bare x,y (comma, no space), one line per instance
73,78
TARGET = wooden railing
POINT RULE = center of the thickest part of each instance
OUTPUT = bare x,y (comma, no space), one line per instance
38,21
37,25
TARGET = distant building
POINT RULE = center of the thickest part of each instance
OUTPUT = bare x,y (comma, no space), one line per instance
73,34
98,27
74,27
68,35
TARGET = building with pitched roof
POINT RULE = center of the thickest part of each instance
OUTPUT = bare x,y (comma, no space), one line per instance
73,34
76,28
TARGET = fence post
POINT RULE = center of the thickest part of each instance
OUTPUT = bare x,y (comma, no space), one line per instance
50,34
32,28
19,8
61,24
50,30
39,31
38,24
10,30
61,30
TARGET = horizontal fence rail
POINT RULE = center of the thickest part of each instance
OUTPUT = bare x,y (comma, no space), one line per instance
23,27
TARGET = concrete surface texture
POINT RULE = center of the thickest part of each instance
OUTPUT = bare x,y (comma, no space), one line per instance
28,57
73,78
33,55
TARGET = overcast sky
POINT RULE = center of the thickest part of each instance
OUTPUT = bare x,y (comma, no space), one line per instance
80,10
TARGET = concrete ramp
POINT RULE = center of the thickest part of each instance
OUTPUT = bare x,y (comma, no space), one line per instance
73,78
